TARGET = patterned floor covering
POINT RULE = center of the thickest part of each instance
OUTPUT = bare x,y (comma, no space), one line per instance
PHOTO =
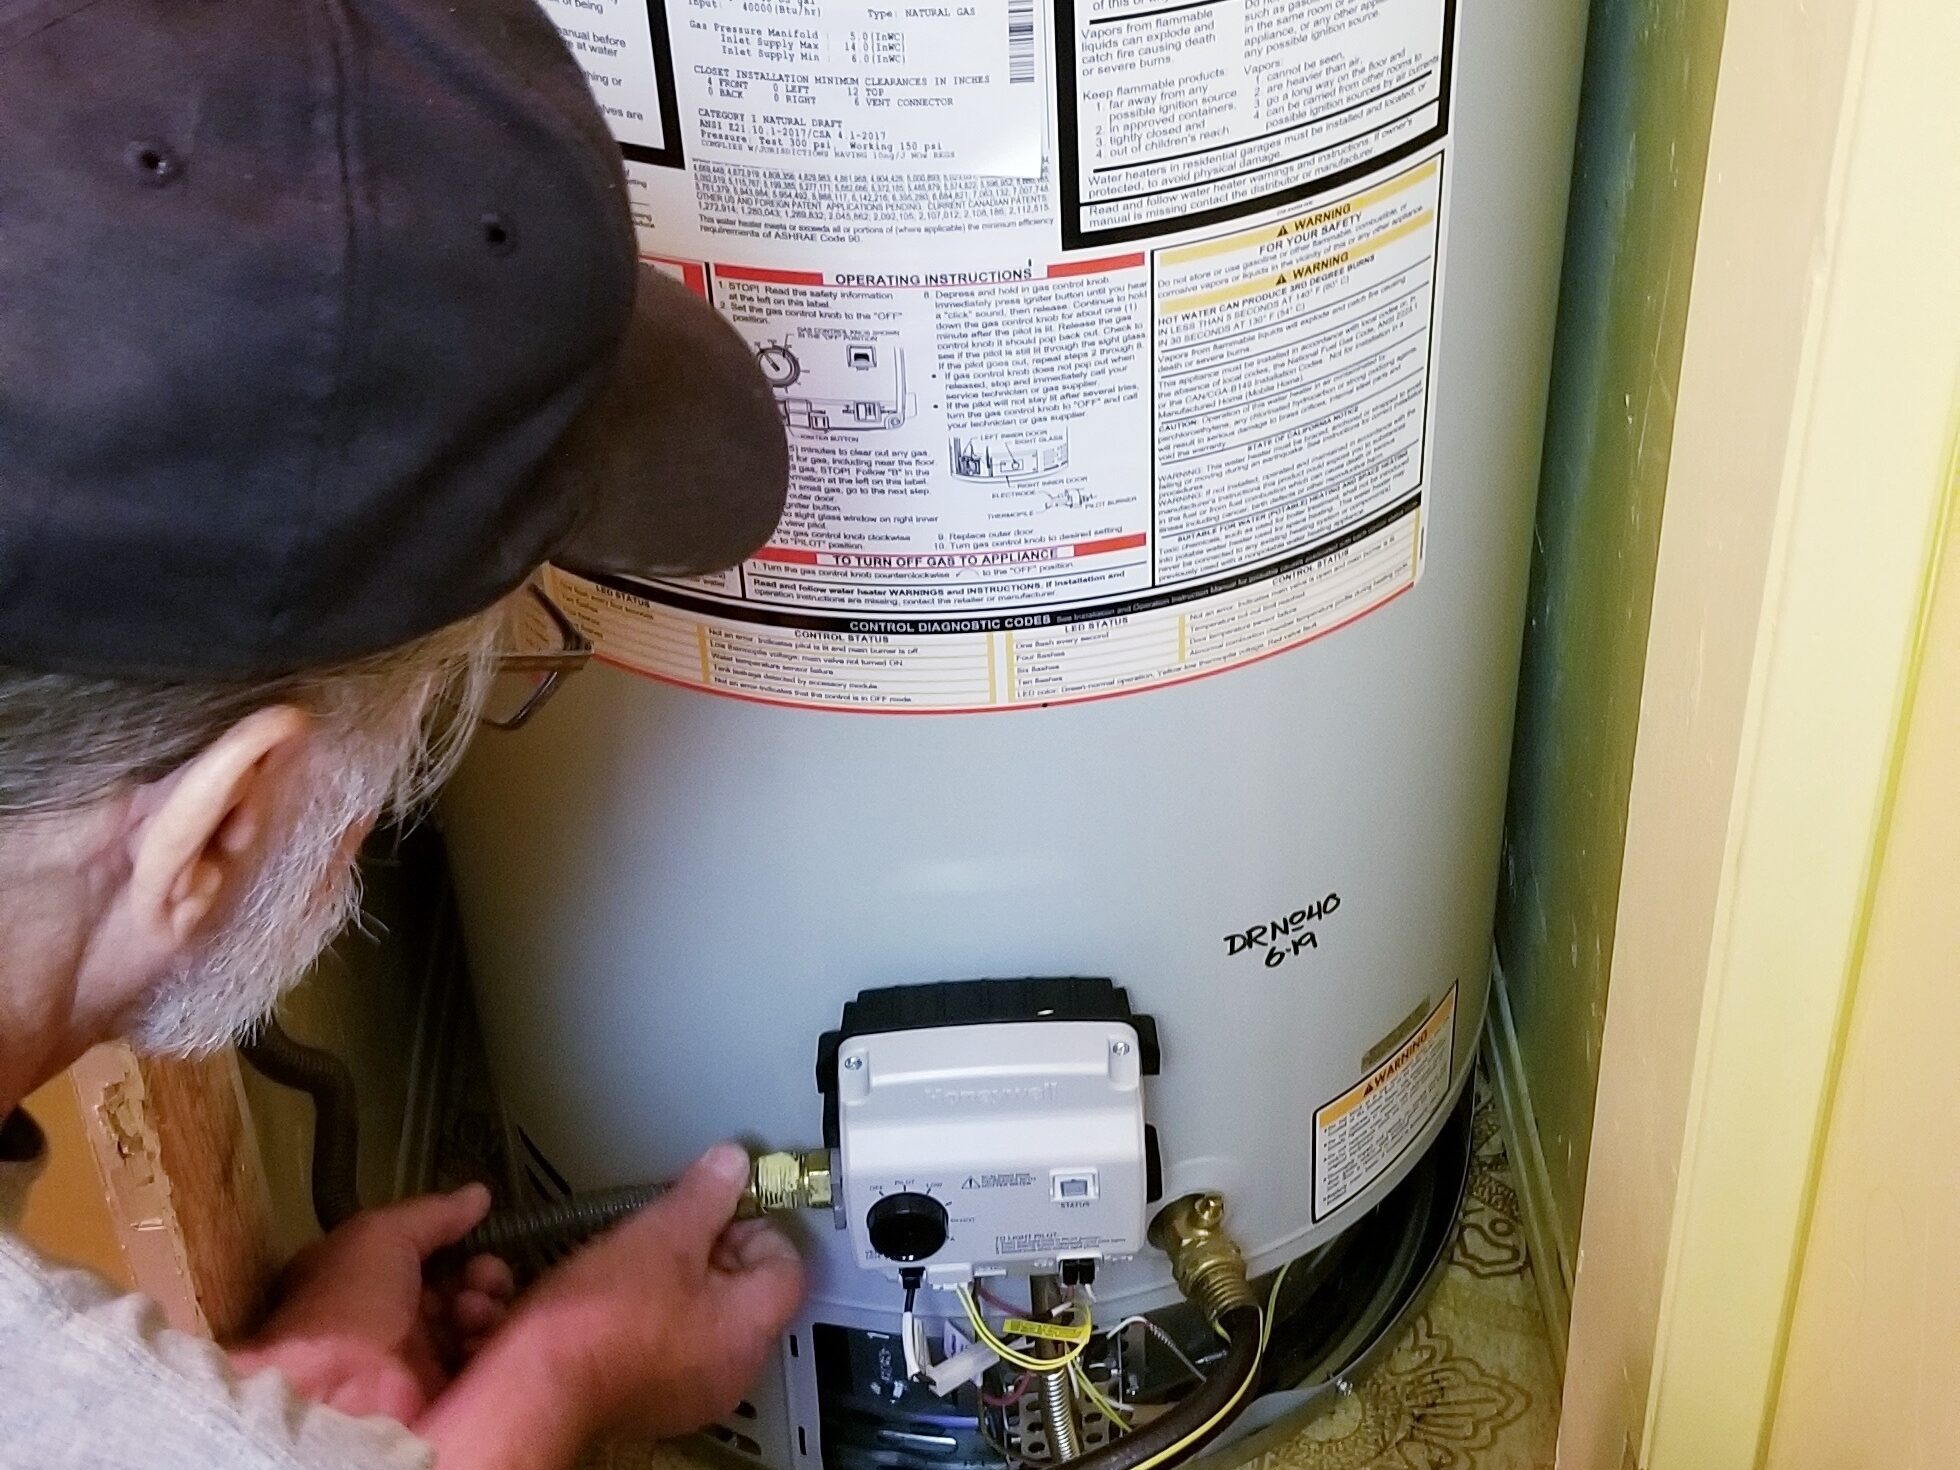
1470,1386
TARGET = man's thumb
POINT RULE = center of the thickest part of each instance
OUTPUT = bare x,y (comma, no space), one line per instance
433,1221
702,1201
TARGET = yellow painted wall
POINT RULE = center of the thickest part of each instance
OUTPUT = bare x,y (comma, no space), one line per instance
1813,434
1872,1372
68,1214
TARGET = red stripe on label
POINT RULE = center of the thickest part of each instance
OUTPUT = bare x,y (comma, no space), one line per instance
1109,543
691,273
1095,267
769,277
788,556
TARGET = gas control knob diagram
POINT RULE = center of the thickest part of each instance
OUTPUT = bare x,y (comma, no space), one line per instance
839,386
907,1227
779,365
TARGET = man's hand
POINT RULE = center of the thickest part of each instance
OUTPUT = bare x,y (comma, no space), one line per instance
656,1328
355,1328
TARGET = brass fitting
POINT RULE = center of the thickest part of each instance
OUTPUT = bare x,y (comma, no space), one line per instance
781,1182
1207,1263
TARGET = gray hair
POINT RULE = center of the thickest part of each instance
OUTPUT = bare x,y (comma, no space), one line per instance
68,740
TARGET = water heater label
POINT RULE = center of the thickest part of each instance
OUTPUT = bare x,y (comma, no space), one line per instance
1191,111
1361,1133
1125,384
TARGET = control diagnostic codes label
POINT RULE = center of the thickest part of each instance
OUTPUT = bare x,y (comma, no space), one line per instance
1367,1128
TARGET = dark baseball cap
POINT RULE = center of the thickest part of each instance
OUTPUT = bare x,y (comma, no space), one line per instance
322,324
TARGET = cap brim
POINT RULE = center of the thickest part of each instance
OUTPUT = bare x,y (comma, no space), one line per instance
681,463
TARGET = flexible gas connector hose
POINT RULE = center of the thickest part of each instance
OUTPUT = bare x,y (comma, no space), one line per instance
325,1079
1059,1414
778,1183
558,1225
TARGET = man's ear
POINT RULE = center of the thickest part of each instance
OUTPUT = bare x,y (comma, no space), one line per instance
198,834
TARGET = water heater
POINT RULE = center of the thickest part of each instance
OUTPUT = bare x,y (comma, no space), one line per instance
1082,818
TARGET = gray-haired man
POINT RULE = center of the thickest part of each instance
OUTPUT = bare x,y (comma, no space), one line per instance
321,326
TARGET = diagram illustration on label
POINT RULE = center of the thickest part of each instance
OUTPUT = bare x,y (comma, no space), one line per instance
847,390
1009,456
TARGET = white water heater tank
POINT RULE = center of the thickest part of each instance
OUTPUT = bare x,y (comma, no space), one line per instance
1164,385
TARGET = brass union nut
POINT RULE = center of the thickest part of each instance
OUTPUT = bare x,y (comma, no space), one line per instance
780,1182
1207,1263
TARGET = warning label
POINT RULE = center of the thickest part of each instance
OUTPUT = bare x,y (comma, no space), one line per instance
1018,1179
1367,1128
1194,111
1119,475
1102,332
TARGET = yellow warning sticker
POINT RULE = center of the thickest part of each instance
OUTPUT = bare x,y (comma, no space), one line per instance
1358,1135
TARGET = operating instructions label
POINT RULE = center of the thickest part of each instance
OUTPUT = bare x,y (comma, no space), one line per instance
1047,443
1361,1133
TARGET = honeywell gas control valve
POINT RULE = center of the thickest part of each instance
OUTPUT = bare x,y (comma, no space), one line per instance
984,1126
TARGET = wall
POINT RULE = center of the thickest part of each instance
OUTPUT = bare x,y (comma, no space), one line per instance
370,1000
1645,111
68,1214
1813,433
1872,1372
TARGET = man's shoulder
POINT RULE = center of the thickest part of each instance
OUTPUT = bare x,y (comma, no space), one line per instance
94,1379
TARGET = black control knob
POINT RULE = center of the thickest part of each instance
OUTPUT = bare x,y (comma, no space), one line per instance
907,1227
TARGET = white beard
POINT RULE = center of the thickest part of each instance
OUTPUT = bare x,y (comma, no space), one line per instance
304,894
377,757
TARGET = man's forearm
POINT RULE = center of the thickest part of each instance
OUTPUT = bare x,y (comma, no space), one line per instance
513,1408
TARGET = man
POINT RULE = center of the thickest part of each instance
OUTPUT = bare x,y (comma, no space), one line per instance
321,326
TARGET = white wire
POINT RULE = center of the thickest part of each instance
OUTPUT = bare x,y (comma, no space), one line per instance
1163,1337
909,1336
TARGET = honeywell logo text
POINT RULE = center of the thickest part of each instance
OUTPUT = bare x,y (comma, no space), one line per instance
1036,1094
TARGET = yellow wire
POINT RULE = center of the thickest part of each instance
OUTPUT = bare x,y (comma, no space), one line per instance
988,1339
1067,1361
1014,1355
1095,1396
1272,1308
1225,1411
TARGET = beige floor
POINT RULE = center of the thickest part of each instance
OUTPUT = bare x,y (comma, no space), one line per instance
1470,1386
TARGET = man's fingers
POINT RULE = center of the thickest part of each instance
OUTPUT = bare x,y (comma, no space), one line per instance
764,1294
767,1274
476,1313
490,1275
767,1245
432,1221
702,1202
748,1243
392,1393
